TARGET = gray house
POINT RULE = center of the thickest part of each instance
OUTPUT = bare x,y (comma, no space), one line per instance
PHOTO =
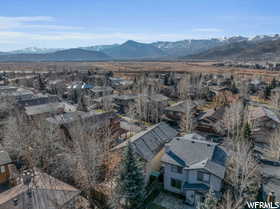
270,171
192,166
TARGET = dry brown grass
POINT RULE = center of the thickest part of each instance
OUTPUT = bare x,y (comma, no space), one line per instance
131,67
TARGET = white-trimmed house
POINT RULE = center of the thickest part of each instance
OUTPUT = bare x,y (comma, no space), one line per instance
192,166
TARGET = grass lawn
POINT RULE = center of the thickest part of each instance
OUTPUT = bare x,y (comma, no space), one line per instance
154,206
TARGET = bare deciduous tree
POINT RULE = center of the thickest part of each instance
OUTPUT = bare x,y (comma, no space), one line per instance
233,116
273,150
186,122
242,174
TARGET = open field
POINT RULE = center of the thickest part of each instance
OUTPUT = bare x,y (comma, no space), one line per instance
135,67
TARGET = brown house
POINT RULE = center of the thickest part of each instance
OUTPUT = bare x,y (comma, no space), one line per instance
263,121
5,160
39,190
210,121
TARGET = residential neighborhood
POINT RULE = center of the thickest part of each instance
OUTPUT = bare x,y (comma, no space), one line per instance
143,104
73,144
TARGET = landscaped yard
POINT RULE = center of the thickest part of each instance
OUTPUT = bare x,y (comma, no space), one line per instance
154,206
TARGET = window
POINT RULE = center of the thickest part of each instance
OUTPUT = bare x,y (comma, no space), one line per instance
176,169
2,169
203,177
176,183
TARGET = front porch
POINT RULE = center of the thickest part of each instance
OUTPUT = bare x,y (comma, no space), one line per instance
195,193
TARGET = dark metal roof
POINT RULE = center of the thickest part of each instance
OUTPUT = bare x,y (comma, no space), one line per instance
196,187
149,142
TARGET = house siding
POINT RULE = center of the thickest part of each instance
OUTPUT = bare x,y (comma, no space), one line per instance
4,177
189,176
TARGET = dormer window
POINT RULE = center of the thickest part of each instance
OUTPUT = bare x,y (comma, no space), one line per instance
2,169
176,169
204,177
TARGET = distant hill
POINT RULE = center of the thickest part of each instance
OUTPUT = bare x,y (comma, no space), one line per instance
187,47
236,47
134,50
99,47
254,49
34,50
63,55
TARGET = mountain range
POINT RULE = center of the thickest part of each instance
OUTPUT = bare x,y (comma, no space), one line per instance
236,47
62,55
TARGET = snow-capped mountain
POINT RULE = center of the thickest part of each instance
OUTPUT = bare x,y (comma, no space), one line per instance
99,47
34,50
163,49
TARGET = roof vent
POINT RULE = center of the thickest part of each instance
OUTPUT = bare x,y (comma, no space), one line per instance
29,194
15,202
193,142
167,148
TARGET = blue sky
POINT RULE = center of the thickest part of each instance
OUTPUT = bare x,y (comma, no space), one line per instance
73,23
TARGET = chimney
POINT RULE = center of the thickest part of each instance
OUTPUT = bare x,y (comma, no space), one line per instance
27,177
15,202
167,148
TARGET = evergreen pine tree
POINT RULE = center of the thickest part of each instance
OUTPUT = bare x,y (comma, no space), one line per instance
75,96
130,187
234,89
273,83
82,104
267,92
247,133
210,201
42,85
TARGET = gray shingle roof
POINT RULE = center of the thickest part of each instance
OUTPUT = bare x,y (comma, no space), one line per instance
45,108
179,107
71,117
195,154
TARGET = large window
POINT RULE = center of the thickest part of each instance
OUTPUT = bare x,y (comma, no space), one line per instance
203,177
176,169
176,183
2,169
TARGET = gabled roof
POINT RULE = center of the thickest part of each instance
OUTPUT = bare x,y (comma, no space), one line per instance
149,142
39,100
214,114
259,112
193,152
43,192
178,107
101,89
45,108
71,117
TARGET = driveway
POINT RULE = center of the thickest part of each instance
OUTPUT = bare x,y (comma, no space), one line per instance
169,201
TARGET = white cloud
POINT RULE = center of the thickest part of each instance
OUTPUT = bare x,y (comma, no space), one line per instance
43,31
19,23
60,36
